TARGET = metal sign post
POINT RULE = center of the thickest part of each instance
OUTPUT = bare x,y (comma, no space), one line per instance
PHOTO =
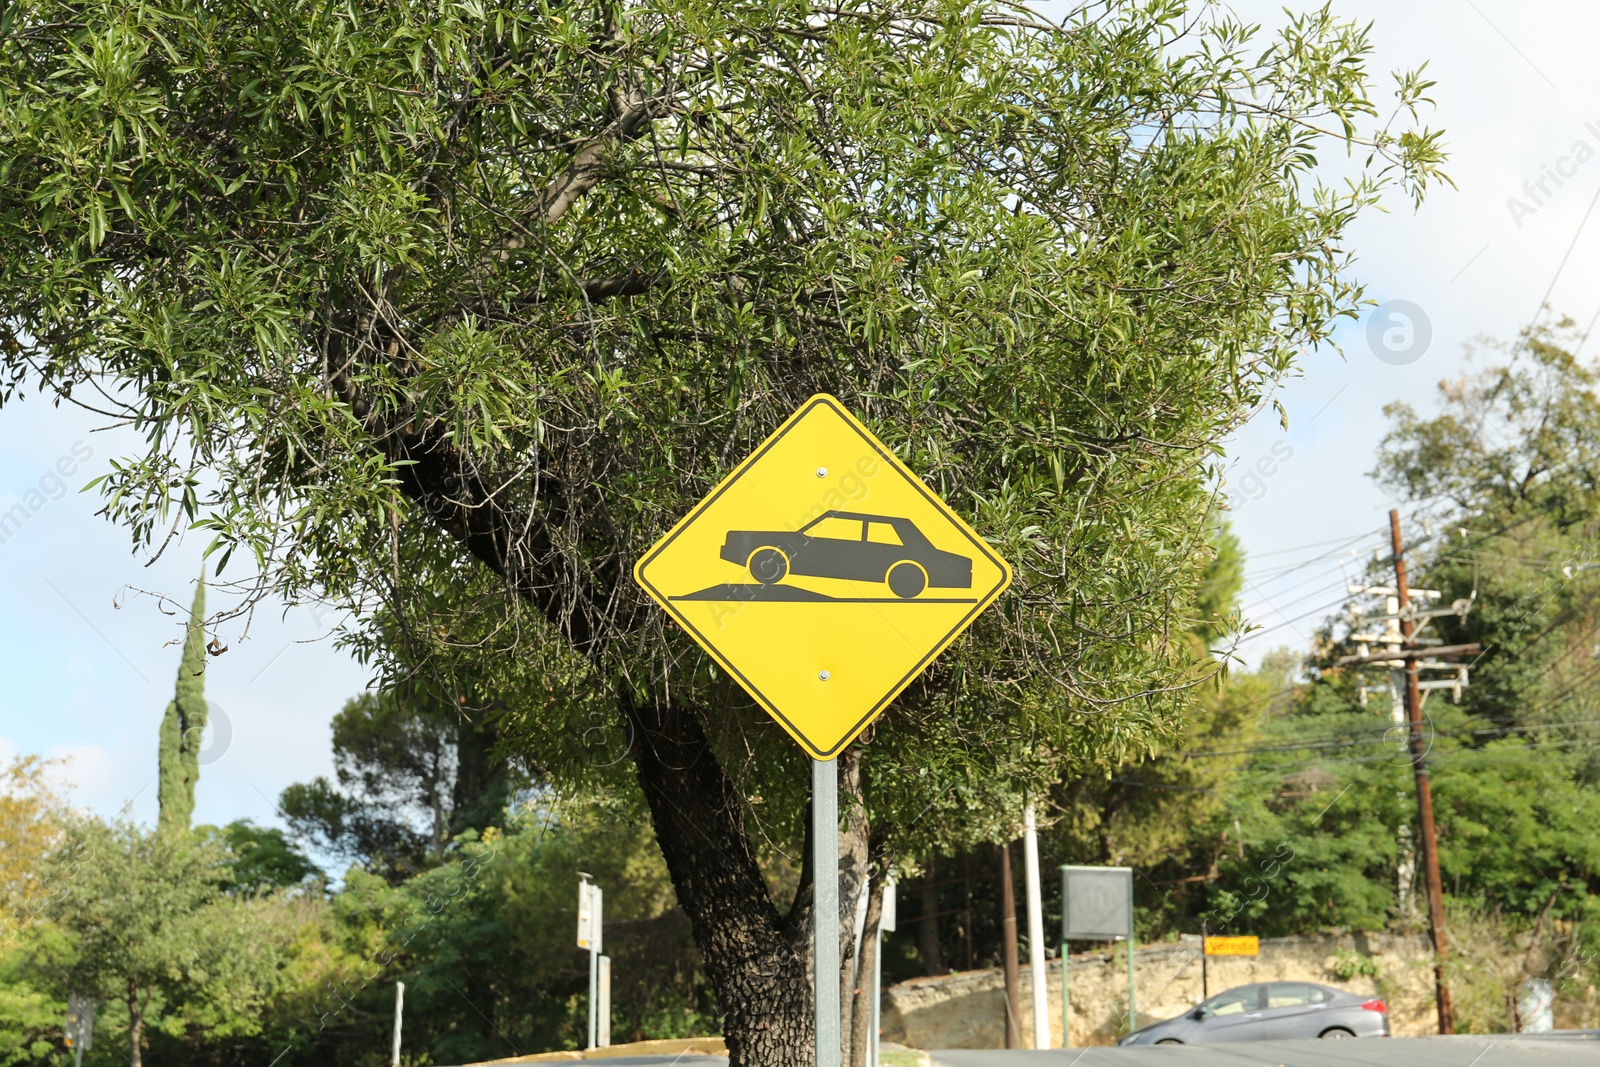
825,921
886,923
1133,1011
590,926
603,1027
79,1031
1097,905
399,1007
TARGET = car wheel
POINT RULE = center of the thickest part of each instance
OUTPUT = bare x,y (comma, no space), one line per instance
907,579
1336,1033
1169,1041
768,565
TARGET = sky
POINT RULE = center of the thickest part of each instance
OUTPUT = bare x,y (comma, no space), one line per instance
1518,95
89,649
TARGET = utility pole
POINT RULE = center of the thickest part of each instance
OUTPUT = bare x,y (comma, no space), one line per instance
1008,950
1419,765
1041,1001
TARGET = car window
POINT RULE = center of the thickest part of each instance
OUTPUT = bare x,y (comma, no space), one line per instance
1234,1002
836,528
1292,995
881,533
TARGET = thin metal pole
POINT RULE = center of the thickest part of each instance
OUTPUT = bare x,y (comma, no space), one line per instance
80,1055
825,917
1066,997
1133,1013
877,1000
399,1006
594,993
1419,765
1205,977
1041,994
603,1025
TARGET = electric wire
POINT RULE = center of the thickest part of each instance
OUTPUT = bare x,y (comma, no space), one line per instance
1339,541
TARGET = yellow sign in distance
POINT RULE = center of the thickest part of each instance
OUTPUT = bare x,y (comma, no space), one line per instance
823,575
1233,946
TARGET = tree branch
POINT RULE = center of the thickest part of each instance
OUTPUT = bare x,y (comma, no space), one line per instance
588,164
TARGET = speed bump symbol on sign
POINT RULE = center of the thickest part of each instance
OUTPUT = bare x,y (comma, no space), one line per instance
823,575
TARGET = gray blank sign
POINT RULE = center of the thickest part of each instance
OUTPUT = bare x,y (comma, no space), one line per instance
1098,903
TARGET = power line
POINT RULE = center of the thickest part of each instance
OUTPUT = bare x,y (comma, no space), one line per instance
1339,541
1318,591
1290,568
1290,622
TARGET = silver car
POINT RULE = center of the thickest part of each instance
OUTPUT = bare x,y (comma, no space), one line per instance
1271,1011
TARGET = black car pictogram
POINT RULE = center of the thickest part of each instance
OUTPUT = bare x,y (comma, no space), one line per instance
845,544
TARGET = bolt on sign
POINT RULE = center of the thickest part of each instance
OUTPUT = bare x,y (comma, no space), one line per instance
1233,946
823,575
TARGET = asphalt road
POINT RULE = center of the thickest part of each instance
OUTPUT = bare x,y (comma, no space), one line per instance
1570,1049
1525,1050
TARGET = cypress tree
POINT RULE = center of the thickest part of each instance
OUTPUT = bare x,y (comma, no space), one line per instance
184,725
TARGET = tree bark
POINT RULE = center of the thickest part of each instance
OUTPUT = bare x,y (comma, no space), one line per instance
135,1028
755,957
853,881
928,926
1008,950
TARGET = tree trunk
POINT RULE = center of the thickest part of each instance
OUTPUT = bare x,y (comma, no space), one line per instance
135,1028
866,987
1008,950
853,881
755,958
928,926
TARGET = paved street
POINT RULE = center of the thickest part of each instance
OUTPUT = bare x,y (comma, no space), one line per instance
1461,1051
686,1059
1570,1049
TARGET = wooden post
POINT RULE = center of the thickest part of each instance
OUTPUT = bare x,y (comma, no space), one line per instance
1008,950
1419,765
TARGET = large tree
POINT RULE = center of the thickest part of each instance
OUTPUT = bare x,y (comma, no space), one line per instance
152,932
412,773
444,312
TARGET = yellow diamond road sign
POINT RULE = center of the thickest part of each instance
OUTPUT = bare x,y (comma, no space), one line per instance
823,575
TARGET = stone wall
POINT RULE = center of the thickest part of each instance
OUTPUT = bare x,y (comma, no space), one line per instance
967,1009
